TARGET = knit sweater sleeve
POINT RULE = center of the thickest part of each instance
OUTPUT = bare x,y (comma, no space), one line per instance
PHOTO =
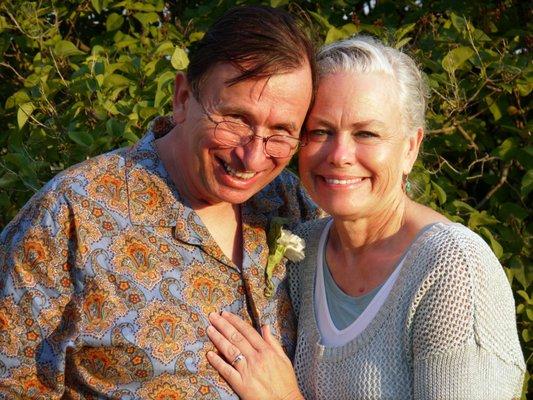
464,342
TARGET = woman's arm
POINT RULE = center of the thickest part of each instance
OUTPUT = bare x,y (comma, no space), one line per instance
464,338
255,367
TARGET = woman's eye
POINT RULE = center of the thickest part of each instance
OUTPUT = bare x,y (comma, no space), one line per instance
365,134
317,135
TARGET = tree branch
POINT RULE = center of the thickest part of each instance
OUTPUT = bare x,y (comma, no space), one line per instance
501,182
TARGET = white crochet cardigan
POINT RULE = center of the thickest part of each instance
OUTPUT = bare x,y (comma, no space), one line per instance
446,331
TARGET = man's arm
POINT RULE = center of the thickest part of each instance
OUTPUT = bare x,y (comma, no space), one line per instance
35,292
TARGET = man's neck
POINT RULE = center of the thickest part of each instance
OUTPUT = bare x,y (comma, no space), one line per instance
223,221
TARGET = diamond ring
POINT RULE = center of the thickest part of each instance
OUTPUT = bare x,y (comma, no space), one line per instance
239,357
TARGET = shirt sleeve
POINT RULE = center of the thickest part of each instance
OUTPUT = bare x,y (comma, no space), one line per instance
464,339
36,292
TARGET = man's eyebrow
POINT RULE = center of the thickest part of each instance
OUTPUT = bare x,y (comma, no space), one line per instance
289,126
229,109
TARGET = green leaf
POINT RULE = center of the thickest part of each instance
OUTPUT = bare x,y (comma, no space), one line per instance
333,35
23,113
494,244
146,18
17,98
516,264
116,80
480,218
114,127
82,138
526,335
278,3
113,22
507,150
509,210
462,206
8,179
404,30
321,20
3,23
527,183
524,295
524,88
195,36
97,5
402,42
441,194
493,108
146,5
345,31
456,57
480,36
459,23
179,59
65,48
165,48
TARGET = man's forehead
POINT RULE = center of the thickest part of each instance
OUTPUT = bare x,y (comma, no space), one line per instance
226,75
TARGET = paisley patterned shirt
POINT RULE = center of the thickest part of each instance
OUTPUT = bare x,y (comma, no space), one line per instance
107,278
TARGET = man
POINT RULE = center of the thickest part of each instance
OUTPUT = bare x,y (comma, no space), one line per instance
109,272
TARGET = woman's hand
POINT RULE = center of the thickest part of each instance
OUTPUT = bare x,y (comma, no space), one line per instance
257,367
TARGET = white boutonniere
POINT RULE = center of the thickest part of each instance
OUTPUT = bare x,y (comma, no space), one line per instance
281,243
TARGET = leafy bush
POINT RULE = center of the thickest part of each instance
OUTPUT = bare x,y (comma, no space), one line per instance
82,77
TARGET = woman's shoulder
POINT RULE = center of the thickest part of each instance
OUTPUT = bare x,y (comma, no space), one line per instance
460,280
454,241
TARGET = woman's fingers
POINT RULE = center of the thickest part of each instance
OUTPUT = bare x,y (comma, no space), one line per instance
251,335
229,373
230,351
271,340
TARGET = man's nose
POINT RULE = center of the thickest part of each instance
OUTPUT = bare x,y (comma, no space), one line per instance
253,155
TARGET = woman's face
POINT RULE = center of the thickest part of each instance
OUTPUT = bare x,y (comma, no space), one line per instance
356,151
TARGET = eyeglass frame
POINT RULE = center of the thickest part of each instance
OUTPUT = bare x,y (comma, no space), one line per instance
299,143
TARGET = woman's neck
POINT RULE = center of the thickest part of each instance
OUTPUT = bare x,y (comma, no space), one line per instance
363,234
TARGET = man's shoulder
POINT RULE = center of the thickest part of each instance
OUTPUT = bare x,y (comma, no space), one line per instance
285,197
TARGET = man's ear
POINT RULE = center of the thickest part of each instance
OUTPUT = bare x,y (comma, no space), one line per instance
413,146
182,96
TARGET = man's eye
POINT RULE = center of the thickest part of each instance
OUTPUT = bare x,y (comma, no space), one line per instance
235,118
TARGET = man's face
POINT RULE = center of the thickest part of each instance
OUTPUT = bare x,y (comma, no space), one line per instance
209,172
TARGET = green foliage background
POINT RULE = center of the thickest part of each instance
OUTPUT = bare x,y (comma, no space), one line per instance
81,77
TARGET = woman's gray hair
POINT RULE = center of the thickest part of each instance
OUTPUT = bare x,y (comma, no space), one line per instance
364,54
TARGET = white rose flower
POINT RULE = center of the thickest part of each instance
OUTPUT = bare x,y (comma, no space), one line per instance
294,245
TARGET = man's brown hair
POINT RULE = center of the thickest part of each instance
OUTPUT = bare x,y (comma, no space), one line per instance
260,41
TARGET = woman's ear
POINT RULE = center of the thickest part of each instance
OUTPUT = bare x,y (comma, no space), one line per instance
413,146
180,101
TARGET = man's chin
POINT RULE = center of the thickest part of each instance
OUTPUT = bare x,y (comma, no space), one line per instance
233,195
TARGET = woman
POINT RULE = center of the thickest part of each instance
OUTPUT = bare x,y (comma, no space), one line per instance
393,300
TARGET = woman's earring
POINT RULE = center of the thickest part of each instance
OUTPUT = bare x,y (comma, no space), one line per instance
406,184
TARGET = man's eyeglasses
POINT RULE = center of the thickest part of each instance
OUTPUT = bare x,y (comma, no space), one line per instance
234,134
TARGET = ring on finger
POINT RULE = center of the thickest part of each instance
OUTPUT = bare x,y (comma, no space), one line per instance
239,357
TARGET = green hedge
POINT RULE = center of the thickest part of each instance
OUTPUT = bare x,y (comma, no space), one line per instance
81,77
